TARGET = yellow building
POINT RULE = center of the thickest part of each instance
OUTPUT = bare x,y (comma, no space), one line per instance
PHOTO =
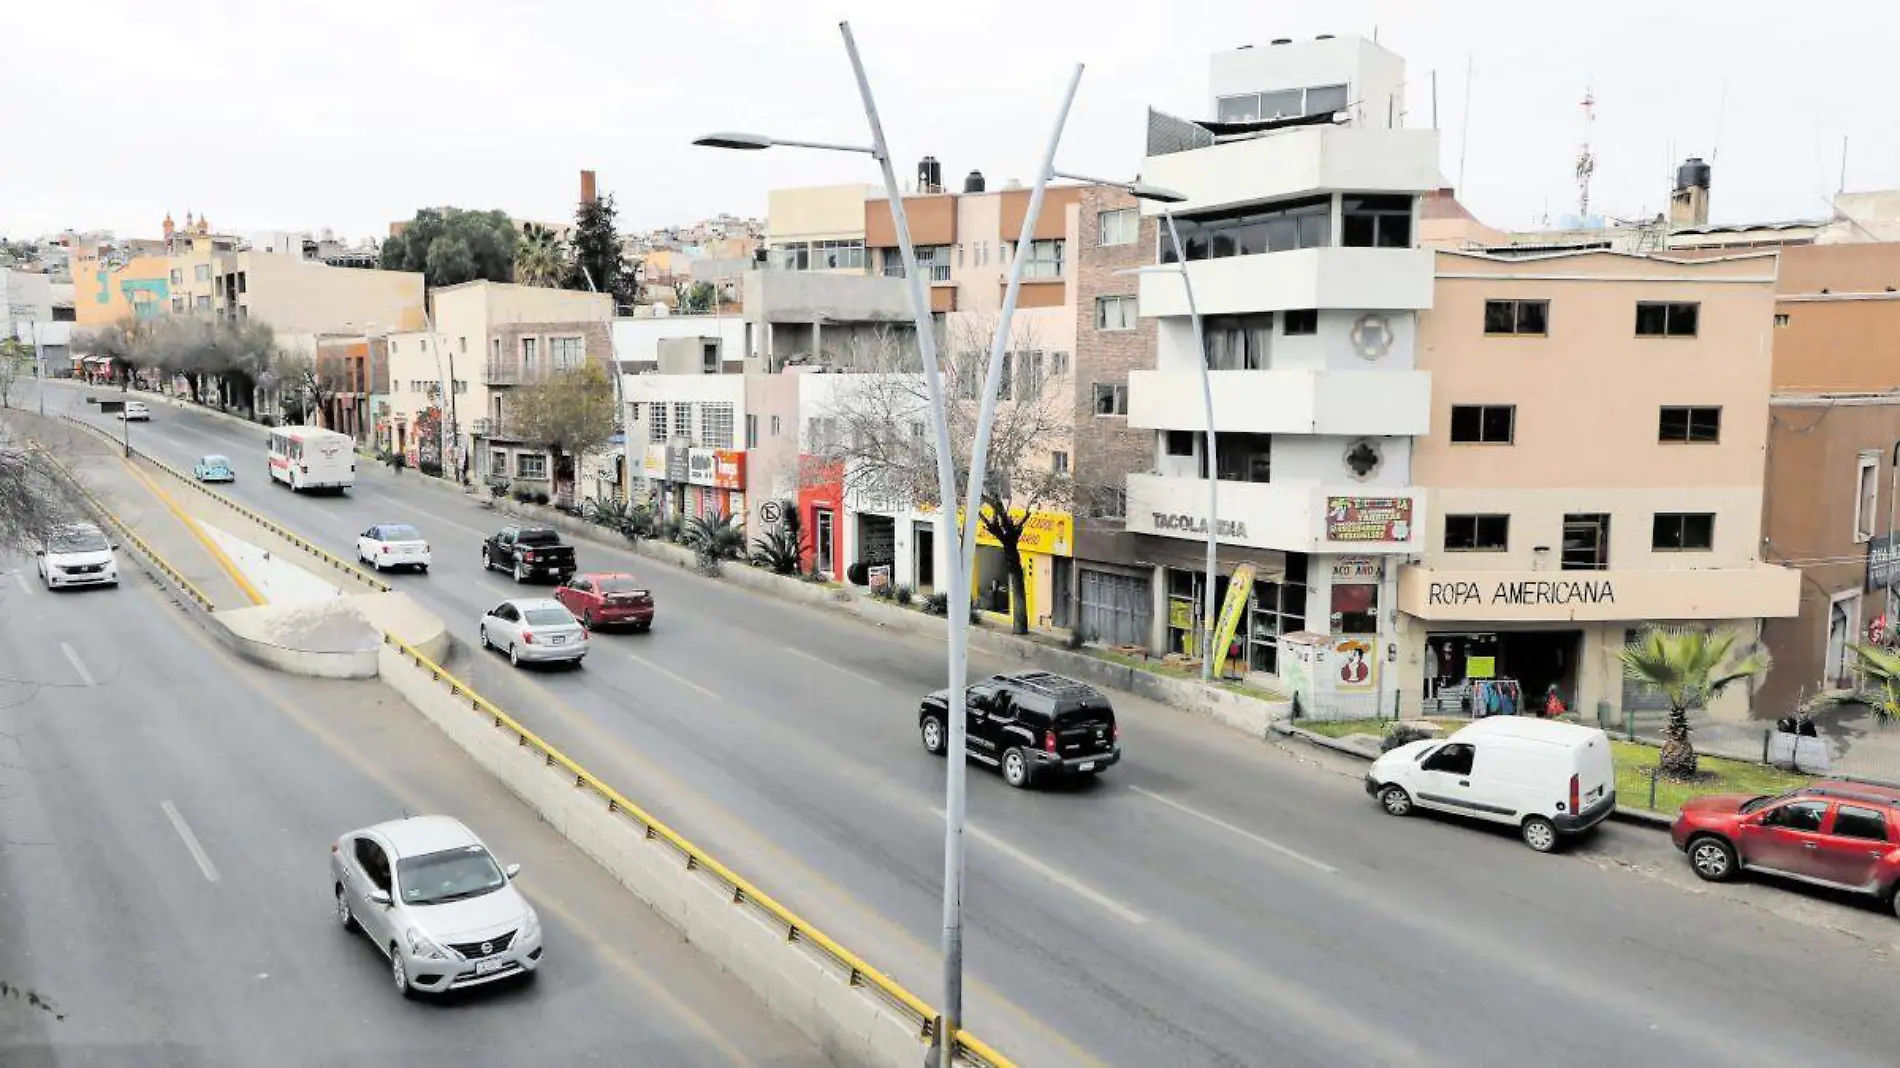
105,292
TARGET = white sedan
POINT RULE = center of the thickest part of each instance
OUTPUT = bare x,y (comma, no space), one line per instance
393,545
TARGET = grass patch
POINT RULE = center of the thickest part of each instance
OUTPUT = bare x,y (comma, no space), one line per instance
1157,667
1635,763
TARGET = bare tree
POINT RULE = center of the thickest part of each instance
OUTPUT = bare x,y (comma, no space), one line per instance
312,382
13,356
567,413
33,499
876,428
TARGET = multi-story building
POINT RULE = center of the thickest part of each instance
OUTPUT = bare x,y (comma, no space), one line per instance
293,295
110,287
1595,464
1298,236
354,373
688,429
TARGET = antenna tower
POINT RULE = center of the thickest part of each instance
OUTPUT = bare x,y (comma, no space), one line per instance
1586,160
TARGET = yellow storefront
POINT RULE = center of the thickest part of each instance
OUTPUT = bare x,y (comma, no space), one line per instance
1047,547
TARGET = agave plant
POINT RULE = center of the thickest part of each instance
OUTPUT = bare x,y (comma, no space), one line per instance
781,549
718,537
1688,667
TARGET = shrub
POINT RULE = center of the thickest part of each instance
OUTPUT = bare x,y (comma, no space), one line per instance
716,538
937,604
781,549
1400,733
497,488
707,564
670,530
902,594
540,498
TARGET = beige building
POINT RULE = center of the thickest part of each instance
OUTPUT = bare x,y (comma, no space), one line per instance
293,295
1595,466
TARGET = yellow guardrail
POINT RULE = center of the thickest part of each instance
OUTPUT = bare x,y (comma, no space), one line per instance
859,973
269,524
130,535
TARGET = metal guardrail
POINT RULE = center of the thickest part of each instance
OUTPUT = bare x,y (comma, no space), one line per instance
742,893
271,525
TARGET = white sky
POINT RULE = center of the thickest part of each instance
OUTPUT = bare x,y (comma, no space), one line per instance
276,115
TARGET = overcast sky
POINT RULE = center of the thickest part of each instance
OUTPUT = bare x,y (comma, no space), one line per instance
348,114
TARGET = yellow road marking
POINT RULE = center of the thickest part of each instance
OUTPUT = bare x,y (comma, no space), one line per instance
217,554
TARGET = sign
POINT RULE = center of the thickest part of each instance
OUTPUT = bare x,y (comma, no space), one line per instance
880,576
1877,630
1196,524
1239,590
1355,570
1522,593
1481,667
699,466
719,468
1048,533
676,463
1368,519
653,462
1883,562
1356,671
770,512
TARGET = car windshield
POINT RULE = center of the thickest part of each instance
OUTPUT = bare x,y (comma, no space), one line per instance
451,875
1755,803
216,461
78,541
547,617
621,584
401,532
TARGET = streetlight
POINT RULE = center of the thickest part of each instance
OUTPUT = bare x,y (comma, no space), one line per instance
1167,197
949,1024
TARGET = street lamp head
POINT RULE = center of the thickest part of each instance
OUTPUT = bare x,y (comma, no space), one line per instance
1155,193
744,142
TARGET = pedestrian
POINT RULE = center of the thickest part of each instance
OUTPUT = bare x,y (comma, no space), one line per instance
1553,703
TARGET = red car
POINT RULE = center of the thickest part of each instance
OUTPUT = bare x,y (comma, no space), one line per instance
607,598
1836,834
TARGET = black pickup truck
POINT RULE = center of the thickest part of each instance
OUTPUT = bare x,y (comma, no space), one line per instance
529,552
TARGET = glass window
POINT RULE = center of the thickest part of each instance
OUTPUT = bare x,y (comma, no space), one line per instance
1279,227
1586,542
1355,608
1483,424
1120,227
1689,426
715,425
1238,342
1453,759
1660,319
1111,398
1045,259
1180,442
1115,313
1853,822
567,352
1376,221
1516,316
531,465
840,255
451,875
1683,532
1300,322
1477,533
1866,502
1323,99
1797,816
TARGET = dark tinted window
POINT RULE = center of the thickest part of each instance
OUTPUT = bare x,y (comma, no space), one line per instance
538,537
1683,532
1853,822
1797,816
1689,426
1483,424
1454,759
374,864
619,585
1301,321
1477,533
1667,319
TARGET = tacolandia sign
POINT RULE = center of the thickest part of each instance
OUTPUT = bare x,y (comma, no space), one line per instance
1525,592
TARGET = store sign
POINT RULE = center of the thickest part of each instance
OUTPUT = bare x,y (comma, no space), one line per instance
677,465
1197,524
1883,562
1355,570
1239,589
719,468
653,462
1368,519
1523,593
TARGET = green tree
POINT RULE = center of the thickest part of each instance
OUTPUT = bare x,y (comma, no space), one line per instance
597,255
450,245
1880,666
541,258
698,299
566,413
1688,667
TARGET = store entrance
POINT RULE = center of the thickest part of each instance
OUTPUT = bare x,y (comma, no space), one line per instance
1457,663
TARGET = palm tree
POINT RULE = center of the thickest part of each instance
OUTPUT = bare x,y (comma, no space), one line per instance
1879,664
540,257
1688,667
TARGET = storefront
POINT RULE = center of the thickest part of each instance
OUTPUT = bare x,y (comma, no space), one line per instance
715,483
1047,549
821,510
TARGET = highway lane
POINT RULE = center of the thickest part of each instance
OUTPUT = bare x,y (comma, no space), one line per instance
1210,902
165,815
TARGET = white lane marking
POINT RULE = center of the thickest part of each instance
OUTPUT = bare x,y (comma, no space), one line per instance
1248,835
72,657
676,677
802,655
191,841
20,577
1068,882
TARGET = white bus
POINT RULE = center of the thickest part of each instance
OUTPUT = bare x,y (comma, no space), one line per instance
309,457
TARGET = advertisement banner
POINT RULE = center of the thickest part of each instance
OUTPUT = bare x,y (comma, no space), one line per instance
676,463
1883,563
719,468
1368,518
1239,589
653,462
1358,671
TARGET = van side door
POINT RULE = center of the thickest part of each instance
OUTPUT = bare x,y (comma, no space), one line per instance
1444,777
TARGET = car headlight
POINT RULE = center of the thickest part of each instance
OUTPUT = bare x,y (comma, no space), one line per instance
420,946
531,929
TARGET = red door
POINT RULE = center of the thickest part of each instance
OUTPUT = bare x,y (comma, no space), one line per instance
1854,844
1787,838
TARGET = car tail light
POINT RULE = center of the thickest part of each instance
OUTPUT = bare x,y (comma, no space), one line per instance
527,554
1576,788
1049,741
1115,732
527,637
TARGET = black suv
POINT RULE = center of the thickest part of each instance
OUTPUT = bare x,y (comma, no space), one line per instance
1031,725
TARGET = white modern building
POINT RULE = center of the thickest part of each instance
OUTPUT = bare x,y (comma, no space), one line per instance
1299,231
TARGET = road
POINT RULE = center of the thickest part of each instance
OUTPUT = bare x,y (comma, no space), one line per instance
1212,901
165,817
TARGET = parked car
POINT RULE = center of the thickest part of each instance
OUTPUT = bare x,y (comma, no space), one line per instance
604,599
77,555
213,469
1032,726
429,894
393,545
136,412
1835,834
534,629
1550,780
529,552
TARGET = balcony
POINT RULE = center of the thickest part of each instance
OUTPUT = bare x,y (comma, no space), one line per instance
1332,277
1297,162
512,372
1753,592
1347,403
1290,516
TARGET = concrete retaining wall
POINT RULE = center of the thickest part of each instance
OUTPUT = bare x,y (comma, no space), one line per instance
853,1025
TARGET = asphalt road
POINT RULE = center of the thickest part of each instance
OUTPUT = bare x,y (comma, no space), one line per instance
165,817
1212,901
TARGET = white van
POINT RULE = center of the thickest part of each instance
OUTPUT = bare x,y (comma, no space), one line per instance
1548,779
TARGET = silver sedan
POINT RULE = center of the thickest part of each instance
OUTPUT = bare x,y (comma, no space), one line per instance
428,894
534,630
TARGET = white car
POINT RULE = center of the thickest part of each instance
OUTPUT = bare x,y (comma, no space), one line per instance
78,555
137,412
534,629
393,545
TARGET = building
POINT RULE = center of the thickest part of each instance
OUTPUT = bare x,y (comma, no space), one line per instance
683,437
1299,237
637,339
1595,464
110,286
293,295
353,371
1833,438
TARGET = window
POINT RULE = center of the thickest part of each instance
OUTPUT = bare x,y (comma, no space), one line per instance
1058,364
1282,104
1797,816
1115,313
1483,424
178,305
775,426
1278,608
1520,317
751,431
682,419
1867,500
204,303
1677,532
531,465
715,425
1586,542
1059,463
243,282
656,430
497,348
1180,443
1118,227
178,276
1109,502
462,343
1111,398
1280,227
498,461
792,256
1045,259
460,385
841,255
1477,533
1781,319
567,352
1656,319
1454,759
1300,322
1376,221
527,354
1854,822
202,272
1689,426
1238,342
1355,610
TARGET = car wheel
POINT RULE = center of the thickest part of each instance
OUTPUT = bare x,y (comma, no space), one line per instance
344,916
484,634
398,972
1016,769
422,568
932,731
1395,801
1540,834
513,656
1712,859
487,564
521,572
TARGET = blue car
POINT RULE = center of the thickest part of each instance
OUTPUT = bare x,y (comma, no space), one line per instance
214,469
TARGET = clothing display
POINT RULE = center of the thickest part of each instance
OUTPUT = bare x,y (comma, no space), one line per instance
1496,697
